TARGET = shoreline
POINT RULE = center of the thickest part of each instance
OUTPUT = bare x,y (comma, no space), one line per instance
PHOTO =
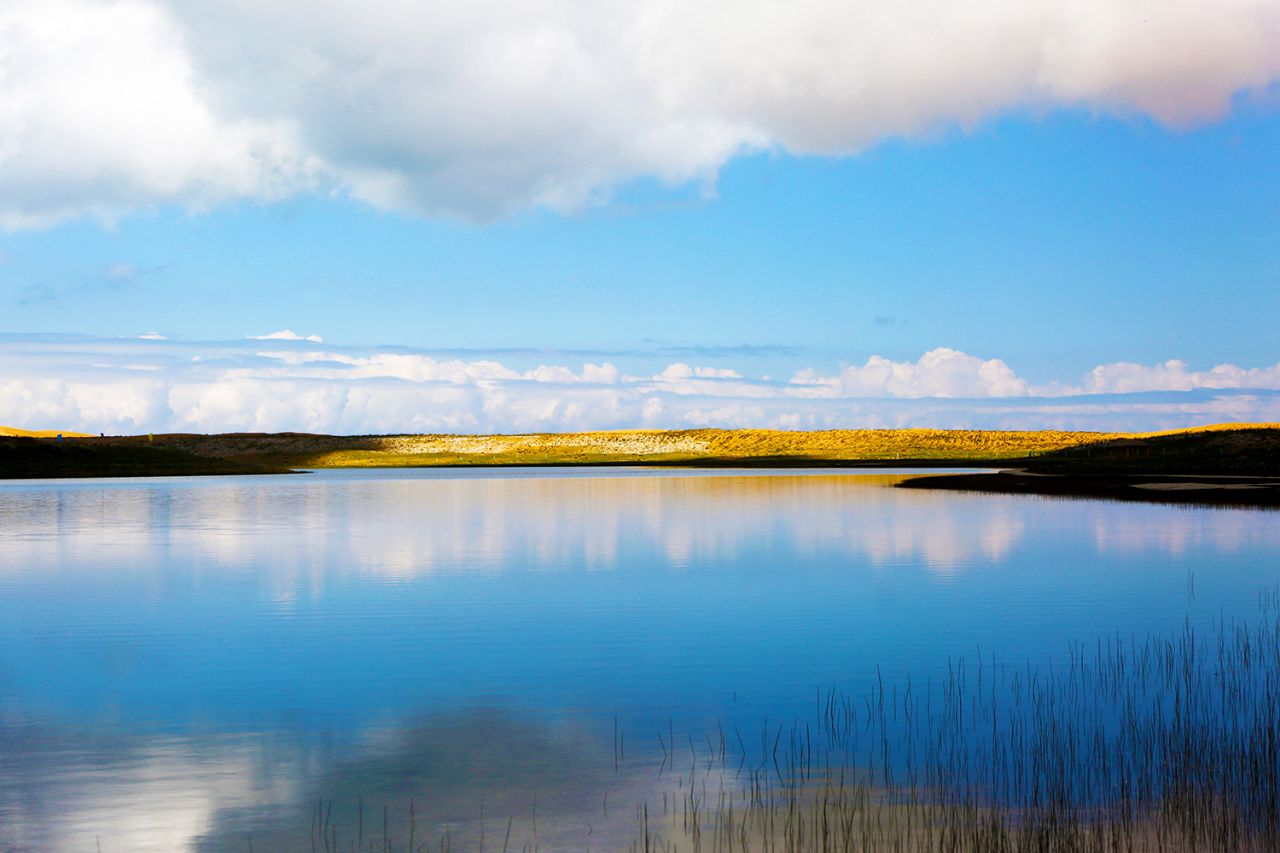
1236,464
1199,489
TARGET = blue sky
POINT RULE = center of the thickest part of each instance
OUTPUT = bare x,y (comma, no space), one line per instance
1073,230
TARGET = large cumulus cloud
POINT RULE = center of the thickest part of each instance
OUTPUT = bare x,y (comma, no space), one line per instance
483,108
941,372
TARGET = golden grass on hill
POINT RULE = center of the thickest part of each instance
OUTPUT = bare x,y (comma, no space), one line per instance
40,433
697,446
694,445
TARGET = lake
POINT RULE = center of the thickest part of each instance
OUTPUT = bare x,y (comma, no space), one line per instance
219,663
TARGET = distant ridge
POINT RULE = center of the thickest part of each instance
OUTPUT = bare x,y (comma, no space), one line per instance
1221,449
735,448
1207,428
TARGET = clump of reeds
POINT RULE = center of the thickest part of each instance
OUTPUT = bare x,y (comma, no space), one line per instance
1161,744
1156,744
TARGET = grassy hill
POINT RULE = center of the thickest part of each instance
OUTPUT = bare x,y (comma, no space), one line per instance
663,447
1244,449
1223,444
23,457
1252,449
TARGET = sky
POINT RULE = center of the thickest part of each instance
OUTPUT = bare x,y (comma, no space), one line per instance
515,216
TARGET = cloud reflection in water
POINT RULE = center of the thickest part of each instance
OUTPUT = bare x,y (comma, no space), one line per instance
208,658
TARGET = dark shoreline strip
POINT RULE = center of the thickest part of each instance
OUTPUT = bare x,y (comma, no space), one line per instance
1189,489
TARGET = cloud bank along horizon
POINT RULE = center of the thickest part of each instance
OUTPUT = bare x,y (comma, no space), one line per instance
486,108
285,381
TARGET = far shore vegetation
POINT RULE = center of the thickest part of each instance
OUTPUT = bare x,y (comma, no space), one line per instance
1042,461
30,458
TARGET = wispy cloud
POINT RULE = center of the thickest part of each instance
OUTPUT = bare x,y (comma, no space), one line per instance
138,385
123,272
114,278
666,350
36,294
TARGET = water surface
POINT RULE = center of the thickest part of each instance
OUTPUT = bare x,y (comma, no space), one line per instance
189,663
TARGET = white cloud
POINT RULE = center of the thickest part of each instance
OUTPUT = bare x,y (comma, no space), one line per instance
598,374
132,386
681,378
118,404
484,108
410,367
286,335
940,372
602,374
679,371
1174,375
102,110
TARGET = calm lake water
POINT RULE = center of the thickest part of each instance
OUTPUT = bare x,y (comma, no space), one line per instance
196,663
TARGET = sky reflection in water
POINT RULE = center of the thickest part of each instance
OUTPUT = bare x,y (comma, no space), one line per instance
205,658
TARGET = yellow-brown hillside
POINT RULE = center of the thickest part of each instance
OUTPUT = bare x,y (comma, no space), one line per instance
714,446
40,433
